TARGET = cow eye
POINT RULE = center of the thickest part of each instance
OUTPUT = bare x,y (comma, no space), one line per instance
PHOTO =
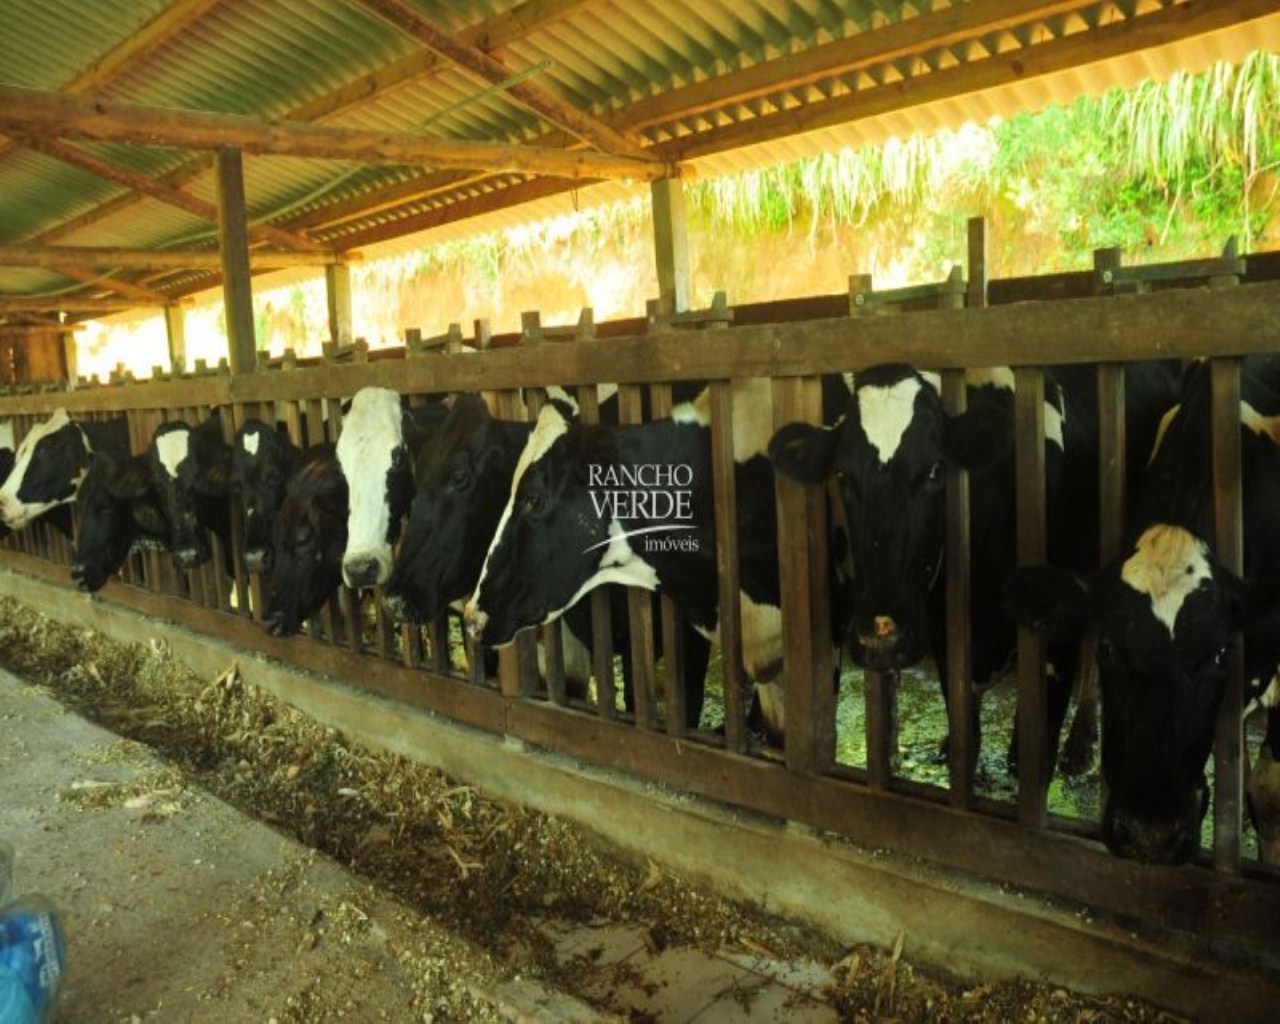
397,457
1221,656
531,505
459,478
935,473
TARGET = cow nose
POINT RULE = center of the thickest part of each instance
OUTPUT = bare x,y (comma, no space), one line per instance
188,557
885,628
78,574
257,560
275,624
361,571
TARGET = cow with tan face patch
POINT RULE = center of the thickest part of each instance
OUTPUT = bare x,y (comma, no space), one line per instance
1167,613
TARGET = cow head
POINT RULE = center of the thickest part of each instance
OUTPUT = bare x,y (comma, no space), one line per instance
119,509
48,468
462,481
888,454
1166,611
374,455
189,465
551,545
308,537
262,460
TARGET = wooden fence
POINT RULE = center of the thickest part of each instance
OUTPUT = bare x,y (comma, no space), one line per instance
1119,314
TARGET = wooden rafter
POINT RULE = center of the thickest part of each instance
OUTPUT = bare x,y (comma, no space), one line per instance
916,35
168,23
69,304
172,196
125,289
96,117
1180,21
493,34
106,258
489,70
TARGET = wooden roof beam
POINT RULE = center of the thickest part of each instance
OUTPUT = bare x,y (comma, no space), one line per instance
106,258
27,111
913,35
492,71
168,23
1167,25
172,196
125,289
68,304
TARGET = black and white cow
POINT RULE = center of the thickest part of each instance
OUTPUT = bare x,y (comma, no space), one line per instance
191,469
262,461
375,449
591,505
119,512
308,537
51,462
888,455
1166,610
462,480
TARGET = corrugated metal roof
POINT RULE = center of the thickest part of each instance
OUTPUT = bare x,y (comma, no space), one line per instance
711,83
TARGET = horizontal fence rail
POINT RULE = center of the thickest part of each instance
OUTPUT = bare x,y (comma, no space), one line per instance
868,797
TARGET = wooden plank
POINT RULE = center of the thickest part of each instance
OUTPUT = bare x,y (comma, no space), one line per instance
233,244
962,754
1033,772
803,567
639,602
601,610
93,257
1228,746
725,487
95,116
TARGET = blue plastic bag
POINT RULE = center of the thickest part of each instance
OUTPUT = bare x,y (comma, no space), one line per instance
31,961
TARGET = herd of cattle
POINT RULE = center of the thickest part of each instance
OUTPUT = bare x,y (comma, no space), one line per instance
444,506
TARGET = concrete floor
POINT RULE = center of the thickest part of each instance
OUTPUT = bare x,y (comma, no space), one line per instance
177,907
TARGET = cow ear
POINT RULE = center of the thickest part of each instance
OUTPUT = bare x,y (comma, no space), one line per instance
803,452
147,514
978,438
131,482
1051,600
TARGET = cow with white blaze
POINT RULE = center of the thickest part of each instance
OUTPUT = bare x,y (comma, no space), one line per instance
191,469
51,463
462,480
888,456
262,461
375,450
633,504
1166,610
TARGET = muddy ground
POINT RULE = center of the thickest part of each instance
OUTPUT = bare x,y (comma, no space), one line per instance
490,872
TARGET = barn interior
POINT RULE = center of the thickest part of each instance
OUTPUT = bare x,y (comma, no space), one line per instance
151,152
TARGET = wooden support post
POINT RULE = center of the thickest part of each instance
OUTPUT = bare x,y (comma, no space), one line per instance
976,294
803,568
1228,746
233,241
962,756
70,357
670,243
337,286
639,602
1033,781
175,325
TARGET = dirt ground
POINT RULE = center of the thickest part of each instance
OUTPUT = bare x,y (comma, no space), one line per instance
454,894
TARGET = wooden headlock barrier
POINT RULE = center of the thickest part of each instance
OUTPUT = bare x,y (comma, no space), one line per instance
1221,308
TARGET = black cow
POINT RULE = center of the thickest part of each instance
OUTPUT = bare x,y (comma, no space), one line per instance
191,470
308,536
462,480
119,513
634,505
51,462
379,438
262,461
888,455
1166,610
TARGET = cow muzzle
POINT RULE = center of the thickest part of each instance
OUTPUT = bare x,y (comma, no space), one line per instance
365,569
1149,840
881,646
257,560
191,556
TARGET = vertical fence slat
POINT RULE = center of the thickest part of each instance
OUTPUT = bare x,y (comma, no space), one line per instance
639,602
962,755
1228,747
676,694
601,610
803,567
1033,783
730,623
